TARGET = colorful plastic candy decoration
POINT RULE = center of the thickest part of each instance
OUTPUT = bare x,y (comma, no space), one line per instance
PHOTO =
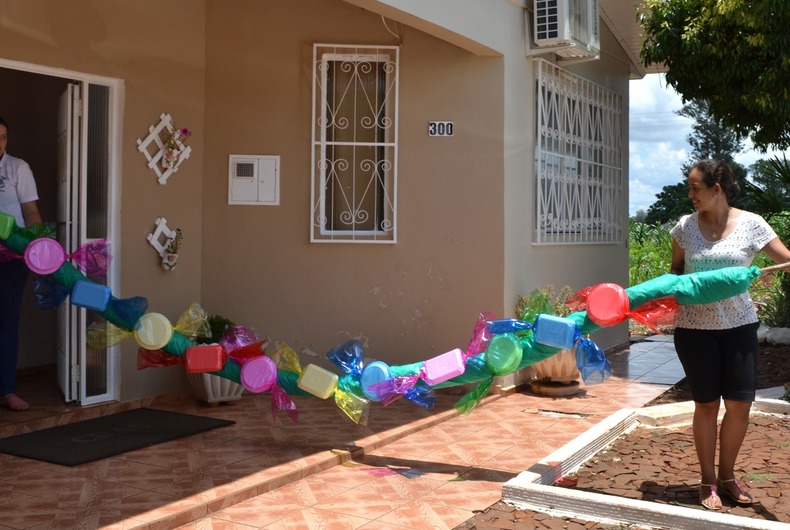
372,374
348,356
592,363
44,256
90,295
480,335
204,358
555,331
153,331
607,304
93,258
7,223
318,381
503,354
49,294
444,367
508,325
259,374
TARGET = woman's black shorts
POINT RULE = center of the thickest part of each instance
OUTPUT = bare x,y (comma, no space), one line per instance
720,363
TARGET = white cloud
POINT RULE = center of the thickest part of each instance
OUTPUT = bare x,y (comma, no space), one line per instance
657,145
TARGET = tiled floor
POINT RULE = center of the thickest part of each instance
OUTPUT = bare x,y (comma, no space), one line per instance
408,468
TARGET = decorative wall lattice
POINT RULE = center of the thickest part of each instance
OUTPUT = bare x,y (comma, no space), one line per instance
161,236
153,148
579,160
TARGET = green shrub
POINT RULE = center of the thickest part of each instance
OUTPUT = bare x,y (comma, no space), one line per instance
649,252
217,324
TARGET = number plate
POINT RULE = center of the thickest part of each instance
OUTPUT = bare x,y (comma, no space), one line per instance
440,128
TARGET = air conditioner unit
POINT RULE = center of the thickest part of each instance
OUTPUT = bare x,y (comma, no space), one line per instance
571,26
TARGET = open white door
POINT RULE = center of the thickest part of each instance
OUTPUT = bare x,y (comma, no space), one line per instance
68,186
85,375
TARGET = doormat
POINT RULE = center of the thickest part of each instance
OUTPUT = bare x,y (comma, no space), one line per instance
86,441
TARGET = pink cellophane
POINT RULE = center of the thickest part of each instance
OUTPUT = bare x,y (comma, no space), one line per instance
236,337
281,401
6,254
480,335
93,258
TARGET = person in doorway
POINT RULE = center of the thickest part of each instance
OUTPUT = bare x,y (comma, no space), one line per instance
717,342
18,197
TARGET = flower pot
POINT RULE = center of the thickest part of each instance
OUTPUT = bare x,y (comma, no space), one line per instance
557,375
170,157
169,261
213,389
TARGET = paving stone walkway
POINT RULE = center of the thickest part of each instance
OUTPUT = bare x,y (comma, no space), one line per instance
636,466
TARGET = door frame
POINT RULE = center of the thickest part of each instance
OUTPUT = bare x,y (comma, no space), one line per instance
115,117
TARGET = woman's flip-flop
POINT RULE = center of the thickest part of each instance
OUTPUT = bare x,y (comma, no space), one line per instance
711,502
742,497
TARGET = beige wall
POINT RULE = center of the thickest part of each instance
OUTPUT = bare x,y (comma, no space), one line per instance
407,301
497,27
240,78
157,49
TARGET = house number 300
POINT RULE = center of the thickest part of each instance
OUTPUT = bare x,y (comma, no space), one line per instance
440,128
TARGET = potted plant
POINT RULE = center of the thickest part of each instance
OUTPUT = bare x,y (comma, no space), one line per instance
556,375
209,388
170,254
172,146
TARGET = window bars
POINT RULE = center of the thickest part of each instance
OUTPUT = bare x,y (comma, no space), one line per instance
578,159
355,148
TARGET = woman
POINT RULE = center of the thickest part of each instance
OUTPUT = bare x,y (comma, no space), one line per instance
717,343
18,197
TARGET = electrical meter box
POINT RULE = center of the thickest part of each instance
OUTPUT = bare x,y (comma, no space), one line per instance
254,179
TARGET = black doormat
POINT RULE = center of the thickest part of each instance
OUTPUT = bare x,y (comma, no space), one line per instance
89,440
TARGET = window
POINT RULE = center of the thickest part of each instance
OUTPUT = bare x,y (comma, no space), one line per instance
355,130
578,158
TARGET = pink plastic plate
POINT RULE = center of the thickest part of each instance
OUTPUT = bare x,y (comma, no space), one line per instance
258,374
44,255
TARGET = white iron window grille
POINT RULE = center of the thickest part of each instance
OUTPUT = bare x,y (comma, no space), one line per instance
355,149
578,159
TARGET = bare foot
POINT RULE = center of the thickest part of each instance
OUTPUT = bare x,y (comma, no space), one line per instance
15,403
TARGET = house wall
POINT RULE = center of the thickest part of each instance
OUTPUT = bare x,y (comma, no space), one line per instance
157,49
240,78
497,27
577,266
408,301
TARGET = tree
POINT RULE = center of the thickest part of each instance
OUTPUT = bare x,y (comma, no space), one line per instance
640,216
731,54
709,138
673,202
769,191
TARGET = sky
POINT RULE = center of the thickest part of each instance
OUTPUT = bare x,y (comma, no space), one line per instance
658,145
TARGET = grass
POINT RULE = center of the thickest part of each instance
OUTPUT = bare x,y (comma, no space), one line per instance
758,477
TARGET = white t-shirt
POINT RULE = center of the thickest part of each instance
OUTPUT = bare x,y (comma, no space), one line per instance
737,249
17,186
